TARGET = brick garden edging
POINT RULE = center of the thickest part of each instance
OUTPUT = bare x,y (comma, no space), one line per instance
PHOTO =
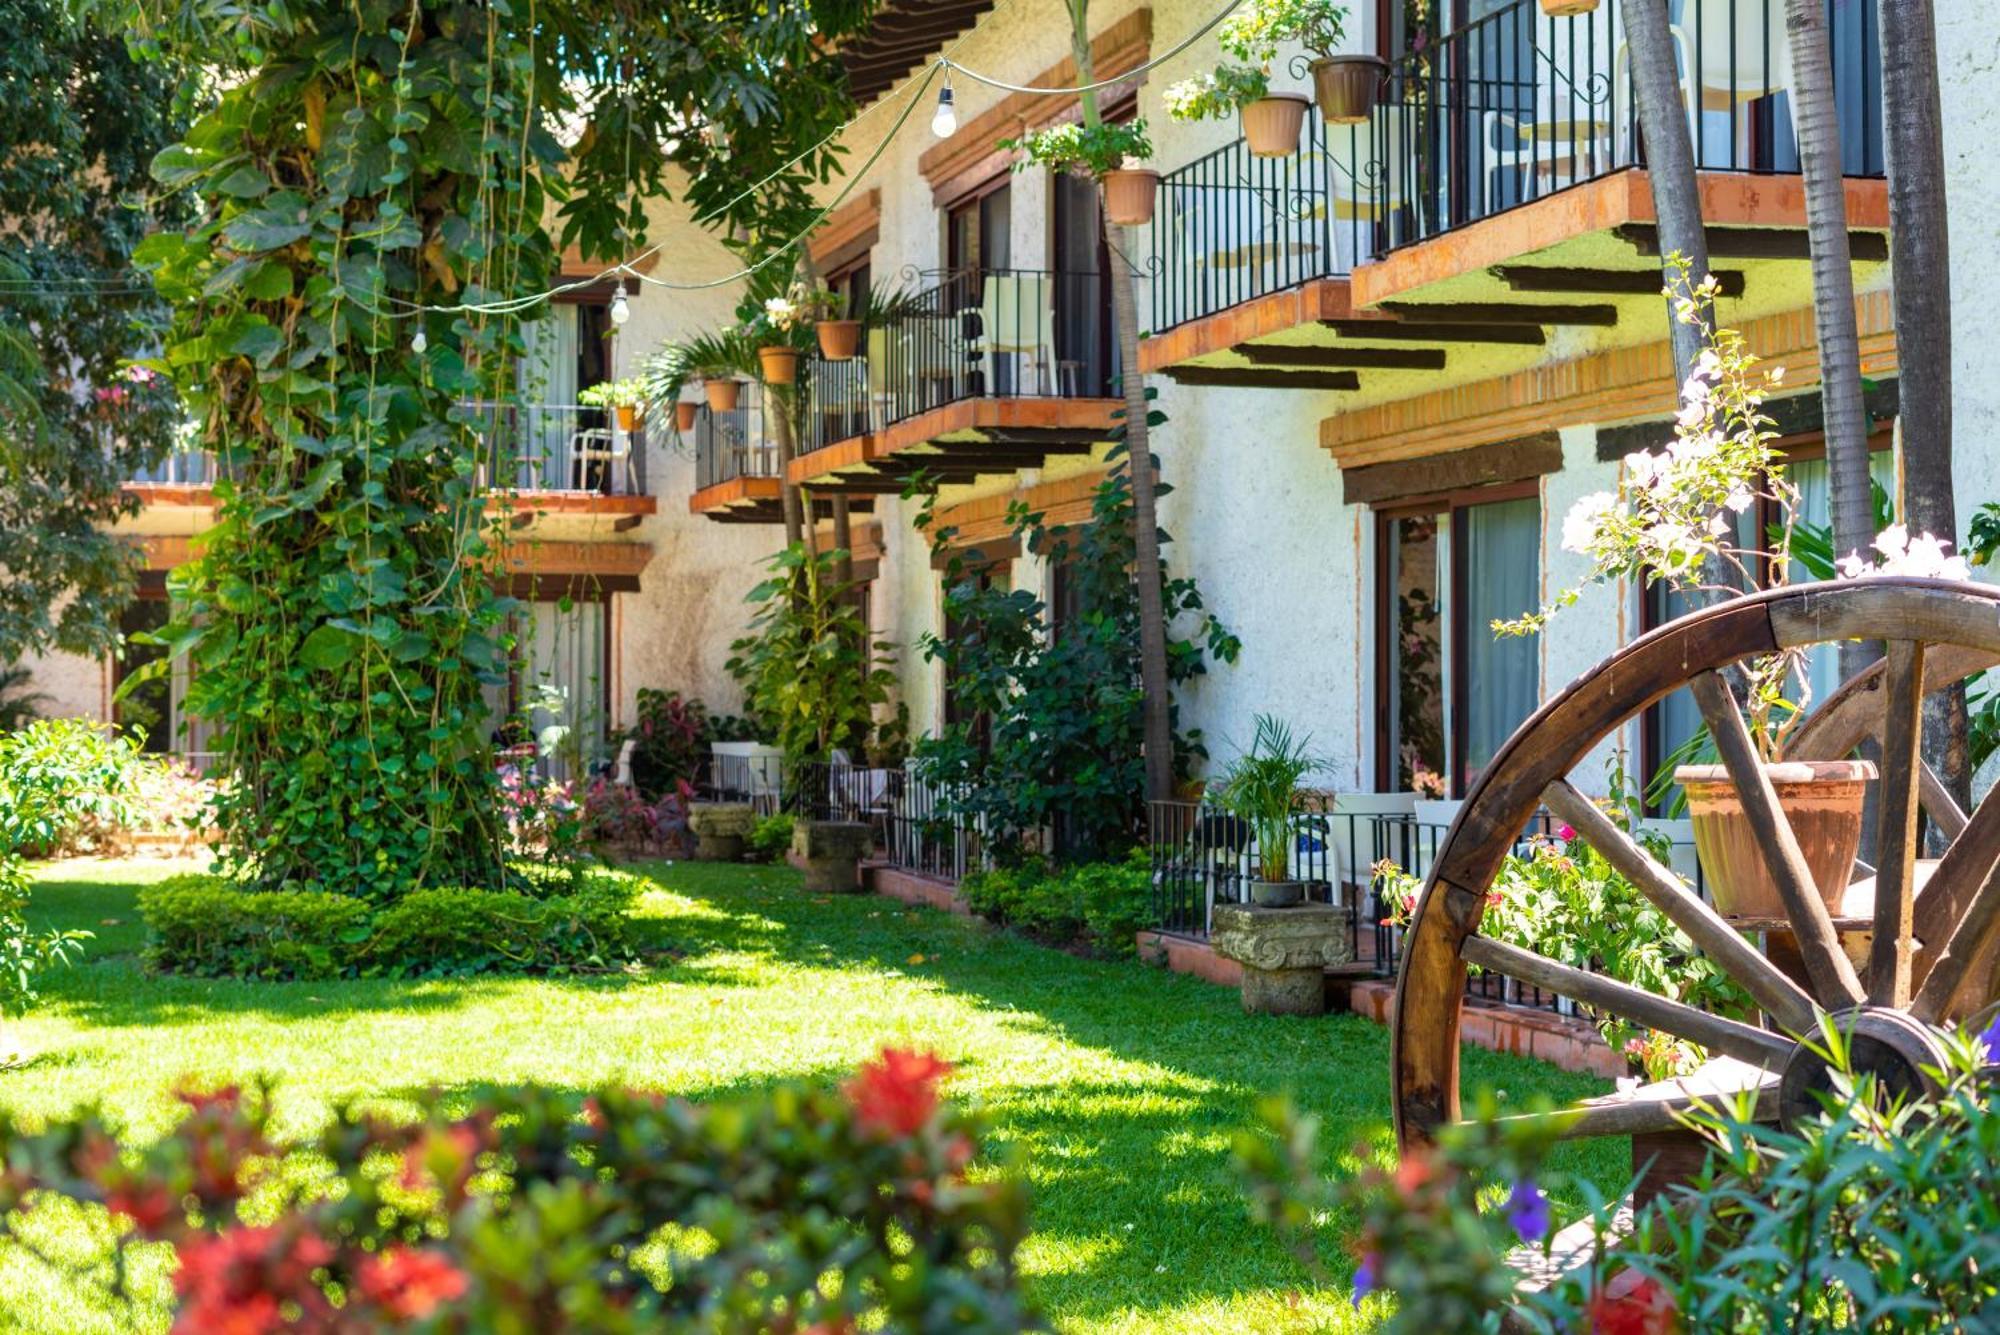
1562,1041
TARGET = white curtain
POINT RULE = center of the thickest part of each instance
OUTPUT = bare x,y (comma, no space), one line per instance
1502,581
564,685
547,379
1815,486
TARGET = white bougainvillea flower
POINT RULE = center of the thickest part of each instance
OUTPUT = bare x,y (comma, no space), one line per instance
1928,557
1585,518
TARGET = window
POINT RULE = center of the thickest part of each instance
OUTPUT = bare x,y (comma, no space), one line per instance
996,577
1669,724
567,351
149,705
557,699
1086,352
1449,692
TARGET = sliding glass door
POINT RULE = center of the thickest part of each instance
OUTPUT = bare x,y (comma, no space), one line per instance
1449,692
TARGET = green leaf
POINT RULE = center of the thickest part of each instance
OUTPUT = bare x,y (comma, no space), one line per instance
329,648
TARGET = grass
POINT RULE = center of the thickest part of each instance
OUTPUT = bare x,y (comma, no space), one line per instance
1116,1087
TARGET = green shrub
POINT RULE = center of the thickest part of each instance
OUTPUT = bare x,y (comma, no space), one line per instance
771,838
1117,899
1101,903
208,927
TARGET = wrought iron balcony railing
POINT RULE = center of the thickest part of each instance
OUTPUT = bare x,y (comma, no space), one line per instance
559,447
1506,110
992,333
733,444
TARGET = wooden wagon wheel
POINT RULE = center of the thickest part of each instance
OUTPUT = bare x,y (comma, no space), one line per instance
1926,940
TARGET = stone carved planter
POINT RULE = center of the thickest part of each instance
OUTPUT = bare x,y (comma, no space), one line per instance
831,851
720,829
1284,953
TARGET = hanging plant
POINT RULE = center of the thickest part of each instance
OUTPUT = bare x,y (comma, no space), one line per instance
1072,147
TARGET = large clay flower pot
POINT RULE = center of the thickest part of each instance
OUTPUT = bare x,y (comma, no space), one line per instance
722,394
1822,799
781,365
1347,87
838,339
684,412
1271,125
1277,894
1562,9
1128,196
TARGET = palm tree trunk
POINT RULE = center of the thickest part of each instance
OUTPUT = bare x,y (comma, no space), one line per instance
778,416
1670,169
1157,729
1920,255
843,540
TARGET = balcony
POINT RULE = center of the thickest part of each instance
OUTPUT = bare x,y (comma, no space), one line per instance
986,373
739,473
1498,203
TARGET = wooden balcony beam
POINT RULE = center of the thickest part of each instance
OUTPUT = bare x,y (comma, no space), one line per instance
1609,282
1756,243
1391,331
1327,359
1262,377
1503,313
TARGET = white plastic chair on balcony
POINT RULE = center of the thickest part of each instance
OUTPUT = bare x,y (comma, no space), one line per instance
1358,830
610,446
1742,52
1017,319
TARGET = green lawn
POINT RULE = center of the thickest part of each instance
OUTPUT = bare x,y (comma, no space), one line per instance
1117,1086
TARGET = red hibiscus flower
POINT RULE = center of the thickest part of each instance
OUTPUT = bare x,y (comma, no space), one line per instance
1633,1304
896,1093
409,1284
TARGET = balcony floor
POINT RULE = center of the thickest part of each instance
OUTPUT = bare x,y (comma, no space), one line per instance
959,443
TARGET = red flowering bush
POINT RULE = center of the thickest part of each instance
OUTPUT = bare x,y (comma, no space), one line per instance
540,1210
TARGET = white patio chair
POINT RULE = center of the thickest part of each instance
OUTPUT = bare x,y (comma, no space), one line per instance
610,446
1017,319
1358,826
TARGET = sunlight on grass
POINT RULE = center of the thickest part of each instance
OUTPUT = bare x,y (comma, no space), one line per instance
1115,1088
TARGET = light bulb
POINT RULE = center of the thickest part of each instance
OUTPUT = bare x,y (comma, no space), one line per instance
419,343
944,123
620,310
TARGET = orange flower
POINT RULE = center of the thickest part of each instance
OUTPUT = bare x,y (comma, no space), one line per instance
1633,1304
409,1284
896,1093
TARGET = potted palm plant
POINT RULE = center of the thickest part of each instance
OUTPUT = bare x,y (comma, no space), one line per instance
1261,789
623,398
718,360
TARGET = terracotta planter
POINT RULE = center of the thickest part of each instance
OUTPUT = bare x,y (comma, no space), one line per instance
838,339
1271,125
722,394
1347,87
628,417
1128,196
781,365
1823,801
684,412
1562,9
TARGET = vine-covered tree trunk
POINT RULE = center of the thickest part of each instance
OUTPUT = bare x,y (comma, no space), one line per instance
1153,678
1920,254
343,616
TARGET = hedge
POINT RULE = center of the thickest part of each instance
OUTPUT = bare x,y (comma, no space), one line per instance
208,927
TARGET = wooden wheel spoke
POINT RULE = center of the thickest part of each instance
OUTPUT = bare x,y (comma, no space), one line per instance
1782,999
1832,975
1759,1047
1939,804
1660,1106
1896,842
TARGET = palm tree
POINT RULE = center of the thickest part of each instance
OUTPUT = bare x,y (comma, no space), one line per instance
1846,419
1158,730
1920,252
1656,88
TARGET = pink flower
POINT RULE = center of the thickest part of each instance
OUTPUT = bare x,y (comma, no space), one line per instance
1566,833
1633,1304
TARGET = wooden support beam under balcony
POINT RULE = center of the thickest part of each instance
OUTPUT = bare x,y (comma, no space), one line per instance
1758,243
902,35
1262,377
1526,335
961,440
1313,356
1572,280
1533,313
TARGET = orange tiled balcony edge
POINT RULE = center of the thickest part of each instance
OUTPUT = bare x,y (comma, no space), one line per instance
1728,199
541,556
1272,313
735,491
966,416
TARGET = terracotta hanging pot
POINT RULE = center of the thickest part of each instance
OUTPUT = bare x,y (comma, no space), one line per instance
1822,799
1128,196
839,339
781,365
1271,125
1562,9
628,417
684,412
1347,87
722,394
